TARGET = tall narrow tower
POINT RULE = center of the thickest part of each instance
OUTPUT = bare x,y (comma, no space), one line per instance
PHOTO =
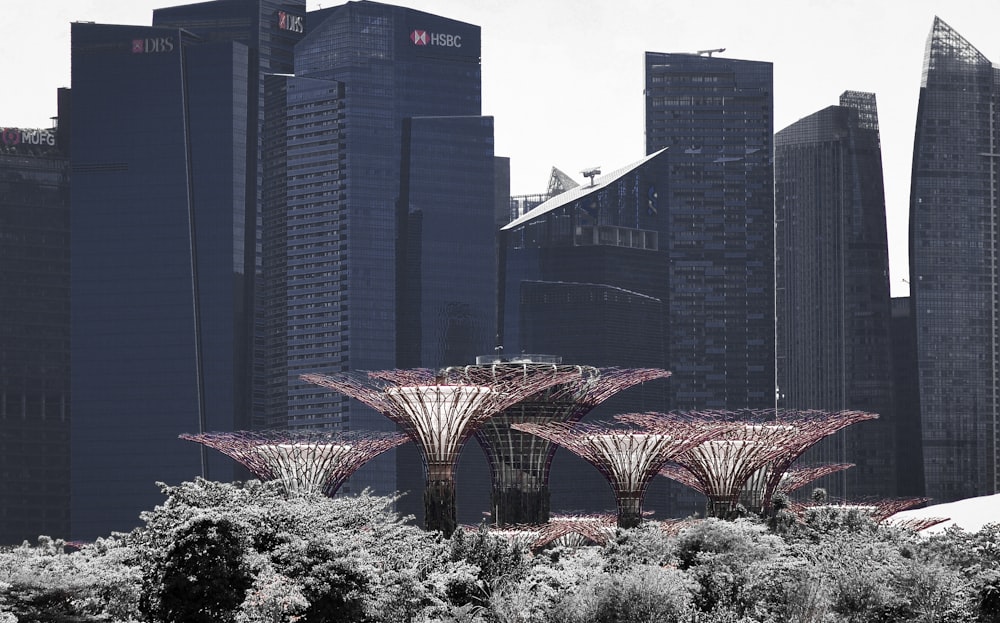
833,308
954,280
715,116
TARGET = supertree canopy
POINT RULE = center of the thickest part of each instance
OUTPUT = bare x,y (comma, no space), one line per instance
520,462
305,462
628,458
750,453
439,410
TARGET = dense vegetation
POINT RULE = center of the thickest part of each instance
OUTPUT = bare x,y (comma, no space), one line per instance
225,553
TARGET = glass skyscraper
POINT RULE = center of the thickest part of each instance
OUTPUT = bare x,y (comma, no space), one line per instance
387,247
832,281
160,320
715,116
954,272
34,331
583,280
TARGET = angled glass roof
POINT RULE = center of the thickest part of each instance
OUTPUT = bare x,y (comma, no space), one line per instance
574,194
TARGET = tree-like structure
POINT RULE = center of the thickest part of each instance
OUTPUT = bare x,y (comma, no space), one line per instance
877,510
628,458
576,530
304,461
812,425
720,466
520,462
917,523
797,477
751,453
440,410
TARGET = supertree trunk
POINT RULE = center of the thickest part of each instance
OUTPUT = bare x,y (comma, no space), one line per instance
629,511
520,505
439,500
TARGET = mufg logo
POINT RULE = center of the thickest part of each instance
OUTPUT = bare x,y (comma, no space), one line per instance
422,37
152,45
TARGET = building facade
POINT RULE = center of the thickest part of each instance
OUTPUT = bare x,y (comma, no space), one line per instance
954,276
832,282
715,117
34,331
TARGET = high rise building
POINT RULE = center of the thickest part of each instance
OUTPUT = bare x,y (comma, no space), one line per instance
715,116
832,281
584,281
954,272
386,255
160,319
34,331
270,29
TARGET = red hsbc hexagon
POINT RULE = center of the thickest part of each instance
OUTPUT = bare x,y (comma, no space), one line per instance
419,37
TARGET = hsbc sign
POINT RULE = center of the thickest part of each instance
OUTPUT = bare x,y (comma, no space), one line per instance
422,38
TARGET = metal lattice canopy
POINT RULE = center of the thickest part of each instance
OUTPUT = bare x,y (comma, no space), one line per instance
878,510
521,460
576,530
628,458
441,409
750,452
797,477
304,461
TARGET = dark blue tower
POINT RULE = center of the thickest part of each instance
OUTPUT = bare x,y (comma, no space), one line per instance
716,117
159,320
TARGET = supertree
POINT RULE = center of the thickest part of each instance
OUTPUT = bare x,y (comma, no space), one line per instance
520,462
751,452
628,458
304,461
813,425
439,410
917,524
576,530
721,464
878,510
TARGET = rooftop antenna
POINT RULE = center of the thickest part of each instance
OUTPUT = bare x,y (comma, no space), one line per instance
591,173
710,52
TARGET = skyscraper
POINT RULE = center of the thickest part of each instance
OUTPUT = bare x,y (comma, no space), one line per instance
832,281
388,243
584,281
34,331
160,322
954,278
715,116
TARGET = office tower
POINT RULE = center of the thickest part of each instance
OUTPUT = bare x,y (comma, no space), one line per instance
715,117
953,266
583,280
160,324
906,392
34,332
379,216
270,29
832,281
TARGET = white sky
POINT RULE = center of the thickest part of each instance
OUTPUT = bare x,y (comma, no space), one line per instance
564,78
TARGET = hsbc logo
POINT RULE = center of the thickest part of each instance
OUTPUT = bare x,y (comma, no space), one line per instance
152,45
289,22
422,37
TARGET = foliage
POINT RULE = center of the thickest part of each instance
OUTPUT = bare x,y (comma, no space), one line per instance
244,553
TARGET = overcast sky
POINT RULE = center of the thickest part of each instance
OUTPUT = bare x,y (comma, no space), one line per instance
564,78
